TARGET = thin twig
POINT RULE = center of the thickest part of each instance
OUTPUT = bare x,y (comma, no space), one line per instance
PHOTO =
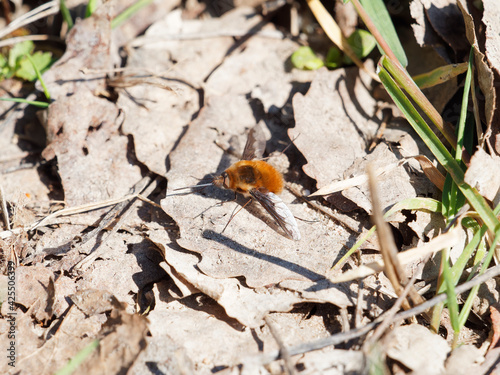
44,10
359,305
5,212
141,41
19,39
345,221
358,332
393,268
389,315
146,187
283,350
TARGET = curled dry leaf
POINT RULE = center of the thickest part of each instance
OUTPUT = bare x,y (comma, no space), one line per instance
495,325
430,170
483,173
247,305
441,25
417,349
488,70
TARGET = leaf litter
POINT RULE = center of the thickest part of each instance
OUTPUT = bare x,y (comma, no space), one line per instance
204,282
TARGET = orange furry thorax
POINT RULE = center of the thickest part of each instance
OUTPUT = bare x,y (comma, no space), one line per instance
246,175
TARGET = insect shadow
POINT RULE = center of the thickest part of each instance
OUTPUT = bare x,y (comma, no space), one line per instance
236,246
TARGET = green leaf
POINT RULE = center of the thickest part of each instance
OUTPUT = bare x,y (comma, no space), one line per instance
334,58
41,60
380,17
362,43
3,61
18,51
439,75
305,58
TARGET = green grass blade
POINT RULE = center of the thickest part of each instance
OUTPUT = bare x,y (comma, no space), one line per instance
439,75
66,14
404,80
463,111
379,15
39,76
437,148
78,359
422,204
91,7
464,314
475,243
21,100
450,291
418,123
129,12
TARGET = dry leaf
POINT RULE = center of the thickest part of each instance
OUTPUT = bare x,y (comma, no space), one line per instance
35,290
417,348
495,325
483,173
121,340
334,122
487,76
395,185
464,360
443,23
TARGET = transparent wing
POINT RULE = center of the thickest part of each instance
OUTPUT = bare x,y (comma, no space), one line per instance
279,211
256,144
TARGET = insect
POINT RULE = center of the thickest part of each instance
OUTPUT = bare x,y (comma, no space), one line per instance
259,180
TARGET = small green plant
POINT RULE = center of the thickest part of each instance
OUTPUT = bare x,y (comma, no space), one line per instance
304,58
360,41
17,63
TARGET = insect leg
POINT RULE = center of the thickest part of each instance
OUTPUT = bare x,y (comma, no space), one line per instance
234,214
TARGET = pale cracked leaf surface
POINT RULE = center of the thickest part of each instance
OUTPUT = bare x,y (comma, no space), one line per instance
252,245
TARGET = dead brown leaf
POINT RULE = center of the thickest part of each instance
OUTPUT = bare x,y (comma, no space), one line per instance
122,339
484,174
495,325
247,305
36,291
487,76
443,23
334,122
464,360
417,349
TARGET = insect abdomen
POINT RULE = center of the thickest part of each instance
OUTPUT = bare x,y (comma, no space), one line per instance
254,174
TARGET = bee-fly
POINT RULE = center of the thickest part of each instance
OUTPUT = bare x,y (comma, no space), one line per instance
259,180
